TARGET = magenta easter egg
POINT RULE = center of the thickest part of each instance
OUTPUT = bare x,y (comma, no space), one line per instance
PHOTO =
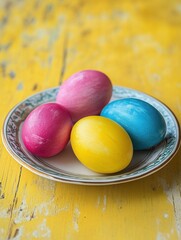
46,130
85,93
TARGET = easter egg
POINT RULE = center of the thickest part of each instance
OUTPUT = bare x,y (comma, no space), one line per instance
85,93
101,144
46,130
144,123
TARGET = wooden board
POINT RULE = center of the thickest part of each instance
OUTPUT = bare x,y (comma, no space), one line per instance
138,45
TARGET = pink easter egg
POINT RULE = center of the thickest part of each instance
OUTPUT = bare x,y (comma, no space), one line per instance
85,93
46,130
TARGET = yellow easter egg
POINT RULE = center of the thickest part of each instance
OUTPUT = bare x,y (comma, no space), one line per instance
101,144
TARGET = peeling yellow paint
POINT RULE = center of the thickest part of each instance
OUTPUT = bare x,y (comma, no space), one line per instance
138,45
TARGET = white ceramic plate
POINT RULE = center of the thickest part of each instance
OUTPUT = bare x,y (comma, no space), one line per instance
66,168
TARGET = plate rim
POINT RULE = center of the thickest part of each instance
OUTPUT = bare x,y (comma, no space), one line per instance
87,181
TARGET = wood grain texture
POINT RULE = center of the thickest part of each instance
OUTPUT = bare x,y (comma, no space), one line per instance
138,45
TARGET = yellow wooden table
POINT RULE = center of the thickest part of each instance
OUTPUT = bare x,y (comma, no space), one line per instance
138,45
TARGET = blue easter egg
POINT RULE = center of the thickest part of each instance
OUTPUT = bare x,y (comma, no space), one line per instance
144,123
